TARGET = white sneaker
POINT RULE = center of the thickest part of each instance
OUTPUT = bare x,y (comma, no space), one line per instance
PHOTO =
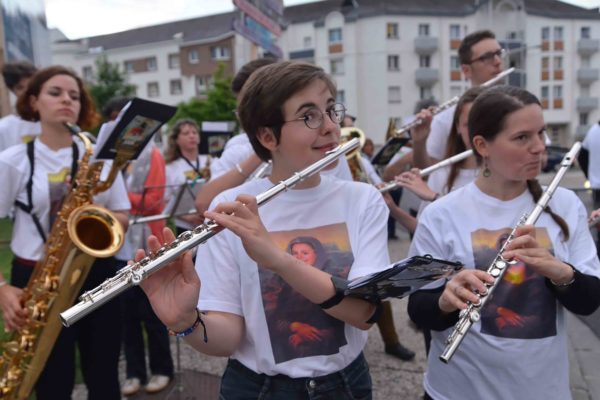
131,386
157,383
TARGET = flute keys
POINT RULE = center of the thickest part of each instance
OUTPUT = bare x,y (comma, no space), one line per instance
474,316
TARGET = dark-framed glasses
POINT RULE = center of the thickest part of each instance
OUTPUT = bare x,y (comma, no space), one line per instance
313,117
488,58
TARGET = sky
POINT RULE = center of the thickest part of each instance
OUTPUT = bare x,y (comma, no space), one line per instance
84,18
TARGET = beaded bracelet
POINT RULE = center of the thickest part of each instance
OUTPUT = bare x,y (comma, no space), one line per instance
191,328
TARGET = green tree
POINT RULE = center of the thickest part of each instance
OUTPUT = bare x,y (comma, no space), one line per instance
218,105
109,82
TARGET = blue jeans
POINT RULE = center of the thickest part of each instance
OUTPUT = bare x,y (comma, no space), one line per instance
351,383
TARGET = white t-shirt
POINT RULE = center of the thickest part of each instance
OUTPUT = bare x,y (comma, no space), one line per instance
239,148
498,360
14,130
592,144
179,172
438,179
50,170
349,219
370,170
440,130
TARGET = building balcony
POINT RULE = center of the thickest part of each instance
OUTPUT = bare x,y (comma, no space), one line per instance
580,131
426,45
585,76
586,47
586,103
426,77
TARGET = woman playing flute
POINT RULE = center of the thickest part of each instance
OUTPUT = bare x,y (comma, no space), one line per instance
518,350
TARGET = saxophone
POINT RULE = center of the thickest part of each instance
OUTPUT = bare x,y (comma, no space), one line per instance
81,232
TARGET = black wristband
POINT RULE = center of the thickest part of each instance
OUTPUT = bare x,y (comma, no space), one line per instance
340,285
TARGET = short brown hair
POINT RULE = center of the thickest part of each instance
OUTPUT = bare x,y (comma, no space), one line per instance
263,96
88,117
247,69
465,52
14,72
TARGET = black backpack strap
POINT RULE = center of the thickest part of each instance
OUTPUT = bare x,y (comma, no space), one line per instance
28,207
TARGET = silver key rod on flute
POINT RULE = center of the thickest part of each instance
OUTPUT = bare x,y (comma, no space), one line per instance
499,265
424,172
133,274
405,128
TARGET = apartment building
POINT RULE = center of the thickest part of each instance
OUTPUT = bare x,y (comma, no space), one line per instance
388,54
168,63
385,55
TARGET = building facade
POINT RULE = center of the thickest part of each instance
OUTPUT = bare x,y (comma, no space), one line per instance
385,55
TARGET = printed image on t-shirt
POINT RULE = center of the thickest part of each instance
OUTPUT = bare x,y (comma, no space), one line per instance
297,327
57,188
521,307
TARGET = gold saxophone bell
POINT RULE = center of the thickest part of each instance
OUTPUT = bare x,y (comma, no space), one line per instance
354,157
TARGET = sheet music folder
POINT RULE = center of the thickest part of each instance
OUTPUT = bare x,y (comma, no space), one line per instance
136,124
401,278
385,154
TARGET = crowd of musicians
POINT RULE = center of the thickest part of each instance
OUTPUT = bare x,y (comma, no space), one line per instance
265,291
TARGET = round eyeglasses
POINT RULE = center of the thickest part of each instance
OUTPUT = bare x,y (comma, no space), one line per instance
313,118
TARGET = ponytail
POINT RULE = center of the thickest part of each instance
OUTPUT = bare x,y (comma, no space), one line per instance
536,191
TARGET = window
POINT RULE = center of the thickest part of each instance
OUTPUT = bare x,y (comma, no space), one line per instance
175,86
88,73
393,63
340,97
586,33
423,29
335,36
454,31
394,94
558,63
585,61
220,53
151,64
337,66
128,65
545,93
545,33
558,33
454,63
425,92
307,42
193,57
203,83
392,30
424,61
545,63
583,118
174,61
585,90
153,89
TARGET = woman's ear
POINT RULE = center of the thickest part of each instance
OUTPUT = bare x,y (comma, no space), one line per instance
480,145
267,138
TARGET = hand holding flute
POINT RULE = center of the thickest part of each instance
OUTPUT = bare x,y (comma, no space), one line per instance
594,218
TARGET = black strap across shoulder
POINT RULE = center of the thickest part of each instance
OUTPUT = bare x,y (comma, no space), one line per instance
29,206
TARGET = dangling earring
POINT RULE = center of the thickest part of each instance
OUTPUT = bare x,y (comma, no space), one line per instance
486,171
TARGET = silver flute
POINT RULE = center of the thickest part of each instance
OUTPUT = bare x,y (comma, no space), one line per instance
498,267
424,172
404,129
264,169
135,273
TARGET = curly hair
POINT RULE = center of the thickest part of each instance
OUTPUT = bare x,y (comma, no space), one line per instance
173,152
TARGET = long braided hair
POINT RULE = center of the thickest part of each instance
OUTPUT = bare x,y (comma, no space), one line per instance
500,102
